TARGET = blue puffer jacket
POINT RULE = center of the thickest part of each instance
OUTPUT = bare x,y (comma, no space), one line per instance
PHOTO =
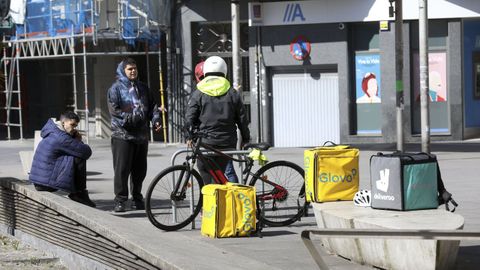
52,164
131,111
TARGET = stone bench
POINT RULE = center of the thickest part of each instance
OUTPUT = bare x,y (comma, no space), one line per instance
390,253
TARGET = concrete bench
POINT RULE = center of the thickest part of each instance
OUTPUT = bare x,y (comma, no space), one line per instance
26,157
384,251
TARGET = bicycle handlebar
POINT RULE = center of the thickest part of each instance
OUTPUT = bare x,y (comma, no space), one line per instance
262,146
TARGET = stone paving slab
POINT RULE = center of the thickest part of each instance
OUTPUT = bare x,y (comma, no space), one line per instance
280,248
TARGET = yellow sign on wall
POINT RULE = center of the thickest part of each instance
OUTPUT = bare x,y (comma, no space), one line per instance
384,26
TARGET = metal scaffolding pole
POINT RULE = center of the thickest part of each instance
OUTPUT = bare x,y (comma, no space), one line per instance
19,96
74,75
85,81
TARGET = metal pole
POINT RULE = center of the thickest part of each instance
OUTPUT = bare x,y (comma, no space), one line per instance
148,83
256,96
19,96
170,97
7,88
162,95
264,100
85,78
74,74
236,58
423,57
399,72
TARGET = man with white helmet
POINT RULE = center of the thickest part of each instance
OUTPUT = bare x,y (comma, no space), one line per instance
217,110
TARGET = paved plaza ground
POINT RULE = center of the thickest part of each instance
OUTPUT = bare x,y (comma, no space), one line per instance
280,248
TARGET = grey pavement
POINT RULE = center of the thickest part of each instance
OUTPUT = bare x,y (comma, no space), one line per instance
280,248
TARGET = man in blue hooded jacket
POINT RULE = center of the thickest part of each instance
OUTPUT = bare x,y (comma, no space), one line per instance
132,107
60,159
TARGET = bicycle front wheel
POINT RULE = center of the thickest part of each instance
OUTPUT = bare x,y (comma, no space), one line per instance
280,188
169,209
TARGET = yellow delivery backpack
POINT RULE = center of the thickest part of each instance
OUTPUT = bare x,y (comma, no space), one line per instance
331,173
228,210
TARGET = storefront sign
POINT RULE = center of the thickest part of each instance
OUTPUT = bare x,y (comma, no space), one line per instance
384,26
327,11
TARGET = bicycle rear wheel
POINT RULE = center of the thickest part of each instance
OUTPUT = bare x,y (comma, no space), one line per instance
167,209
277,207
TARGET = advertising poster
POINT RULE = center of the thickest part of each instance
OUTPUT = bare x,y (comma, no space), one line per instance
437,92
437,76
367,77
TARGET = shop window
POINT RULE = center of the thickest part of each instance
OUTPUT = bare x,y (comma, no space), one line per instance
476,74
367,94
438,80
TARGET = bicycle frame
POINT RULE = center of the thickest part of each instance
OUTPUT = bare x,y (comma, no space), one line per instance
184,179
181,186
278,192
213,168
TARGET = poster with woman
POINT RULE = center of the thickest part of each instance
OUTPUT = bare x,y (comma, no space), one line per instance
367,78
437,76
437,93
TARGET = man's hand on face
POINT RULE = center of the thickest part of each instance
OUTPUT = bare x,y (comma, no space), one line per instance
70,127
77,135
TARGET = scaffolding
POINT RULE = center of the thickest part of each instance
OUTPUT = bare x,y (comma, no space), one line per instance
52,28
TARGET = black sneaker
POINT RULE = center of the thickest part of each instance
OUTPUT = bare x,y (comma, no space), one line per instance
82,197
119,207
138,205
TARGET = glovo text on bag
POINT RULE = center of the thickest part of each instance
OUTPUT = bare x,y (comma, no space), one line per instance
248,218
336,178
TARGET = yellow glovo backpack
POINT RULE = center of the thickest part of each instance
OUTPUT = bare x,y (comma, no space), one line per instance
331,173
228,210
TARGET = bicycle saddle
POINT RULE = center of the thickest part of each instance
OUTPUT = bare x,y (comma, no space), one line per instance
261,146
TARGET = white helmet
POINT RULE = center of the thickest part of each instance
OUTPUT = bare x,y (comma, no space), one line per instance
215,64
362,198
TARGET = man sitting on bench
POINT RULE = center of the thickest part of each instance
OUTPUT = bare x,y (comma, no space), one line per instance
60,161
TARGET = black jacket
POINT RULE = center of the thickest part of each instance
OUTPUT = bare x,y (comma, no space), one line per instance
217,109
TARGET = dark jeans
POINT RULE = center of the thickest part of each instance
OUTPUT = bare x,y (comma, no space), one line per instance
230,172
79,181
129,161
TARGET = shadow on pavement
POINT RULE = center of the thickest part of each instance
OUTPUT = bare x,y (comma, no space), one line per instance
276,233
417,147
93,173
468,258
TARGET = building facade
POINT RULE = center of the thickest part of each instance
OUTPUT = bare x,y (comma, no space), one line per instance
325,70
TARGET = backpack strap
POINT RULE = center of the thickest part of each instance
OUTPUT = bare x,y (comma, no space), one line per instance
444,197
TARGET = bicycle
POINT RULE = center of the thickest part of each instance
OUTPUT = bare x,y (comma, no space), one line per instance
174,199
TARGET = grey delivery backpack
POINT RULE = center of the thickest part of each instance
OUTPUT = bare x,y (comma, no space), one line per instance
407,181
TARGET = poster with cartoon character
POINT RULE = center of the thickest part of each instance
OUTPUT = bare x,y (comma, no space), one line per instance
367,77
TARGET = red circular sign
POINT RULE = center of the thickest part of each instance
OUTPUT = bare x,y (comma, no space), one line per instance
300,48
